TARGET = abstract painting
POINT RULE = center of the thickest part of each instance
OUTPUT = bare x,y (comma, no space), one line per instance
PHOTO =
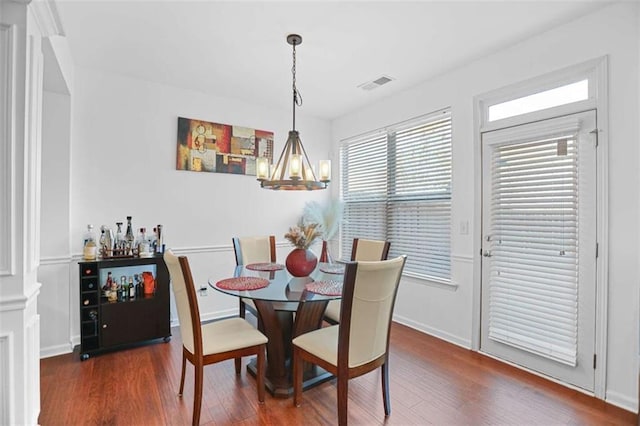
221,148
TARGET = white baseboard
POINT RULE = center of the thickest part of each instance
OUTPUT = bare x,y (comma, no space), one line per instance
448,337
623,401
219,315
55,350
211,316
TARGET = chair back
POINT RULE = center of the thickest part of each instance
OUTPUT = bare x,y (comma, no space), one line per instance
369,295
186,302
369,250
254,249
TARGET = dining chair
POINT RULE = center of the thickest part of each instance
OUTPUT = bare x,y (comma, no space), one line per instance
204,344
360,342
361,249
253,250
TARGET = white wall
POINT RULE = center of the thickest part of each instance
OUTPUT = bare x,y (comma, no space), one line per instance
447,313
123,157
57,300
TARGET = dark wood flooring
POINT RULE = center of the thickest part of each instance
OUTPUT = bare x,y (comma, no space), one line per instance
432,382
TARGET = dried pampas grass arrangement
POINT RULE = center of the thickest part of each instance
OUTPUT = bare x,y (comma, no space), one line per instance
328,216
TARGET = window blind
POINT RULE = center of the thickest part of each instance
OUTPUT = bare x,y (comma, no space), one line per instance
534,247
396,186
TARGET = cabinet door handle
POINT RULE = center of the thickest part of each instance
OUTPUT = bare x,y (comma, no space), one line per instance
104,325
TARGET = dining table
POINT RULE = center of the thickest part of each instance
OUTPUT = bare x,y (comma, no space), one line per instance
287,307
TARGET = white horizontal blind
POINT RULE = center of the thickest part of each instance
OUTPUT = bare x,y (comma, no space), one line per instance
364,190
396,186
533,235
420,196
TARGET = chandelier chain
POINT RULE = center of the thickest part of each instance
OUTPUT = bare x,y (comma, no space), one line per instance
297,97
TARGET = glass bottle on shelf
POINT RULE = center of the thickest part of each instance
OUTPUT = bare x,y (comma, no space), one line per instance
138,285
132,289
109,283
153,242
90,248
142,243
119,245
123,293
129,237
159,239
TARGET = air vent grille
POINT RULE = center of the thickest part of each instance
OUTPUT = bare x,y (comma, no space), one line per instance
374,84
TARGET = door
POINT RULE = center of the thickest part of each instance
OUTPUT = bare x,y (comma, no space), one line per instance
539,246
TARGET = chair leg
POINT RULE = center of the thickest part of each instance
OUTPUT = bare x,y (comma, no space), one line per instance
297,377
242,309
197,394
385,388
184,366
261,373
343,394
238,362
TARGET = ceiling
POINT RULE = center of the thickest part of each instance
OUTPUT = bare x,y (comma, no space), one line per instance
239,50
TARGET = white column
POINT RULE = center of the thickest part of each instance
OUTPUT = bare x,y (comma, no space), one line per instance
22,26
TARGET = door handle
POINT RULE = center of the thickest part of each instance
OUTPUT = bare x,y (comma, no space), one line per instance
486,253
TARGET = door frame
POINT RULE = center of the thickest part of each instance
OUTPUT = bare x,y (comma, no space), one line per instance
596,72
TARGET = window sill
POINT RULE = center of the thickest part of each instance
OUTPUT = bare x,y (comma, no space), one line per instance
432,281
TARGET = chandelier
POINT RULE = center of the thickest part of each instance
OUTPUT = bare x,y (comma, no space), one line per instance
293,171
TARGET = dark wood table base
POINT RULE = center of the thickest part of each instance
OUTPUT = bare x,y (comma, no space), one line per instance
280,327
312,377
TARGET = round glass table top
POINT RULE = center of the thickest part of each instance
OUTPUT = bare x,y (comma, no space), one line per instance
282,287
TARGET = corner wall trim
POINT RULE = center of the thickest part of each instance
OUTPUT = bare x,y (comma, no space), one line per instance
7,149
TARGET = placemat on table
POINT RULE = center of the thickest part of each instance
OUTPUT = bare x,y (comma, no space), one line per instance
265,266
332,268
242,283
327,288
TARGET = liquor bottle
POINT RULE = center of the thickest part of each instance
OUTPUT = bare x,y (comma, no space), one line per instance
124,289
153,241
90,248
132,289
129,236
138,285
109,283
119,245
159,240
143,243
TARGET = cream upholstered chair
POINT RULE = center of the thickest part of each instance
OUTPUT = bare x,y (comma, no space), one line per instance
360,343
361,250
253,250
213,342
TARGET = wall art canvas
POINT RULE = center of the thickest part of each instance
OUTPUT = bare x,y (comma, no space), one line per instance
221,148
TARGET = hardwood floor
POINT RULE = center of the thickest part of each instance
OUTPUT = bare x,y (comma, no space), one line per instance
432,382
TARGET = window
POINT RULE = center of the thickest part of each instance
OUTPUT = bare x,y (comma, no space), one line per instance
562,95
396,186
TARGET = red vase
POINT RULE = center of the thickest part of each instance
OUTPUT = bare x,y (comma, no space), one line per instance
301,262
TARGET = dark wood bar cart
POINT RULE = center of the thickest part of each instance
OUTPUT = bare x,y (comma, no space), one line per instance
115,322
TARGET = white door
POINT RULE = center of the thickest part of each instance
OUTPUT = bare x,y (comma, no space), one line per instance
539,246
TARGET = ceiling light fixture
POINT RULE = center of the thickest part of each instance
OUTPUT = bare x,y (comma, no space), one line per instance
293,171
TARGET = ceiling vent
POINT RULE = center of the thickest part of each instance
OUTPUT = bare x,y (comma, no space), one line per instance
370,85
